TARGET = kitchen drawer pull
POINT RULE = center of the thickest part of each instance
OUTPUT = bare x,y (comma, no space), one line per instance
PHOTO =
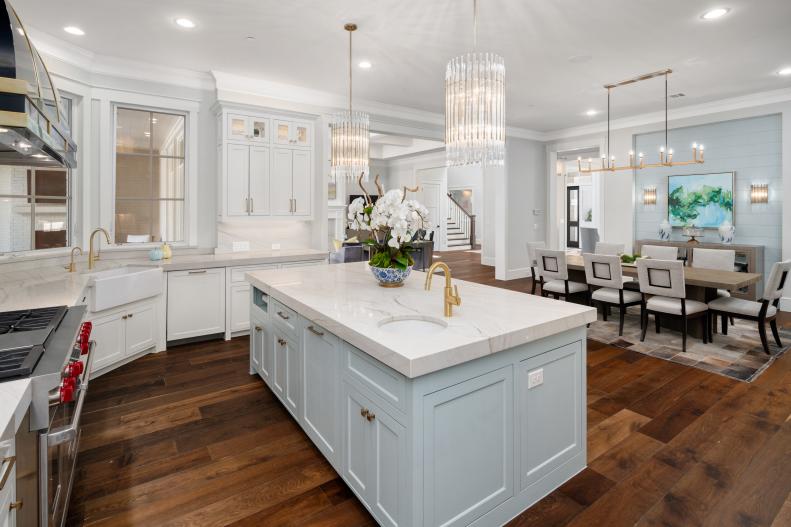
258,328
281,342
11,462
315,331
124,317
364,412
131,315
283,315
371,416
202,271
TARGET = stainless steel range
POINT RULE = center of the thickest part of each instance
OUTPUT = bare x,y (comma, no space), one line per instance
52,347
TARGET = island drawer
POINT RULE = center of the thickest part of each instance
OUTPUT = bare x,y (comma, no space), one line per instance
386,383
284,317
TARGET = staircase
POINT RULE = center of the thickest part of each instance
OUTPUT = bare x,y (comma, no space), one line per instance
460,227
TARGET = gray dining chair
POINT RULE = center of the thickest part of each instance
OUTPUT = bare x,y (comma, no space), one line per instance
760,312
605,272
664,293
659,252
610,248
531,255
554,276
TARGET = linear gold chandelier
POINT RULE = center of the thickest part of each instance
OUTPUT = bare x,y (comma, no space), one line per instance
608,163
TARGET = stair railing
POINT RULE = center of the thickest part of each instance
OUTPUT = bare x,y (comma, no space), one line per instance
464,220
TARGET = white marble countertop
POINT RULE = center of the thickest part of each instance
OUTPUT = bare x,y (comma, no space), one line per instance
29,286
346,300
14,401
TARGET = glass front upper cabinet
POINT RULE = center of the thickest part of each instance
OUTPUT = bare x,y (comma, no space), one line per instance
293,133
246,128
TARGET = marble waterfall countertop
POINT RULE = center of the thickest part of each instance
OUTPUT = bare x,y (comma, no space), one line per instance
346,300
27,286
14,401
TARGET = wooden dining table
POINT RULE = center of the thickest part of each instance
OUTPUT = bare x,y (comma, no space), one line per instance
701,284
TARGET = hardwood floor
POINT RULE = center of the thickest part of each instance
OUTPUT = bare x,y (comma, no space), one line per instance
188,437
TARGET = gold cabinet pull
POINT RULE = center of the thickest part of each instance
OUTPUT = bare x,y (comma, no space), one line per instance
283,315
258,328
368,414
15,505
281,342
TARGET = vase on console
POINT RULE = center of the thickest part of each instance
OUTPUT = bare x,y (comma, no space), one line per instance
726,231
665,230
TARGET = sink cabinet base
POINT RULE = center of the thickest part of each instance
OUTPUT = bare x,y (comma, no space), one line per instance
474,444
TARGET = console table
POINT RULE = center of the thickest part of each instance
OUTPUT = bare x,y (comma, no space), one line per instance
749,259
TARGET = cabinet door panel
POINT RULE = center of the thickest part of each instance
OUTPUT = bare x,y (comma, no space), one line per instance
293,394
267,352
280,182
259,181
196,303
302,133
279,345
389,464
258,342
321,355
301,182
238,173
283,132
140,329
240,307
238,127
358,451
108,333
550,414
259,129
468,433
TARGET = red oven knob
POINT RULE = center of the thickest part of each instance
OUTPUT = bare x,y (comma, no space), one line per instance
66,394
73,369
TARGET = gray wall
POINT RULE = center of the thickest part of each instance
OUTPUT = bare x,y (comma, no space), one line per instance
752,148
527,191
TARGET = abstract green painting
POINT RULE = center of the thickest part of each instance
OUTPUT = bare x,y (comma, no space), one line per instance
702,200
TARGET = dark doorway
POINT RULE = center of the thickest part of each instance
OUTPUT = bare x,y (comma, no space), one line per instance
573,217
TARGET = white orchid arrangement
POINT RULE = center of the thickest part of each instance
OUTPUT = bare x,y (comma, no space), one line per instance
393,222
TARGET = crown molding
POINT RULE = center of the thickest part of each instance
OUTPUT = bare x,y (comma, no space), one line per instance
97,64
742,102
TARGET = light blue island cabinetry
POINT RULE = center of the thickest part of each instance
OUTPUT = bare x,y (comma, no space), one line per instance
473,443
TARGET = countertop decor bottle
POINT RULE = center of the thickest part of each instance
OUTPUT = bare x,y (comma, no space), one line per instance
167,252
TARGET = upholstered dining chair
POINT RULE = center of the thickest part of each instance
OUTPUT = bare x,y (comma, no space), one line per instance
717,259
761,312
610,248
605,272
531,255
659,252
664,294
554,275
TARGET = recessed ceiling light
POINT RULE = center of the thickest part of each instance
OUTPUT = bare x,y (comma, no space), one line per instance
713,14
251,37
785,72
364,64
74,30
40,156
3,130
186,23
591,113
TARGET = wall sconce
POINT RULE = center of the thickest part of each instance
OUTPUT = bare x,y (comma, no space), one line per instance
649,195
759,193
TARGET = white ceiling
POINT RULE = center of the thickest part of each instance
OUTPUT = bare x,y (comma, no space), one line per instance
387,146
409,42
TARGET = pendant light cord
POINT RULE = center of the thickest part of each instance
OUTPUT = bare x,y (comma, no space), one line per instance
609,92
475,25
667,146
350,74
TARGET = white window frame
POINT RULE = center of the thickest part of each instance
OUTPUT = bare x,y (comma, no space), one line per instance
110,104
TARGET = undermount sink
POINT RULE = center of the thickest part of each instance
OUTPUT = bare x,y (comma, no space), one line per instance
413,325
123,285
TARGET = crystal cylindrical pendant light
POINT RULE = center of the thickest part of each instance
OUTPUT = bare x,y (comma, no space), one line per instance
349,135
475,108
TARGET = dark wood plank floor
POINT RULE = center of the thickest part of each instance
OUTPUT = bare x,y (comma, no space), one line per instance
189,438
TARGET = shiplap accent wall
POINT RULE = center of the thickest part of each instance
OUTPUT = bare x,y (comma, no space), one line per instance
752,148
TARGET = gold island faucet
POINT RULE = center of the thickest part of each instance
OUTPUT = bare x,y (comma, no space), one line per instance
71,267
91,256
452,297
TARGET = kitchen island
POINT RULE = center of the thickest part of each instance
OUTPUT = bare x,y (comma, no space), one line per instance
430,420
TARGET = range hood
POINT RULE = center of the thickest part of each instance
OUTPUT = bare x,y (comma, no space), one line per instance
33,130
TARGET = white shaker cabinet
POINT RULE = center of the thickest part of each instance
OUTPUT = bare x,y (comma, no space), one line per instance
286,381
248,128
259,181
247,184
291,178
293,133
196,303
123,333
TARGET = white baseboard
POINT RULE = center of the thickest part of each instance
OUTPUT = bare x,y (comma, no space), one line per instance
487,260
521,272
785,303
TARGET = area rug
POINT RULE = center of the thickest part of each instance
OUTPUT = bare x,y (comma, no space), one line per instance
738,355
